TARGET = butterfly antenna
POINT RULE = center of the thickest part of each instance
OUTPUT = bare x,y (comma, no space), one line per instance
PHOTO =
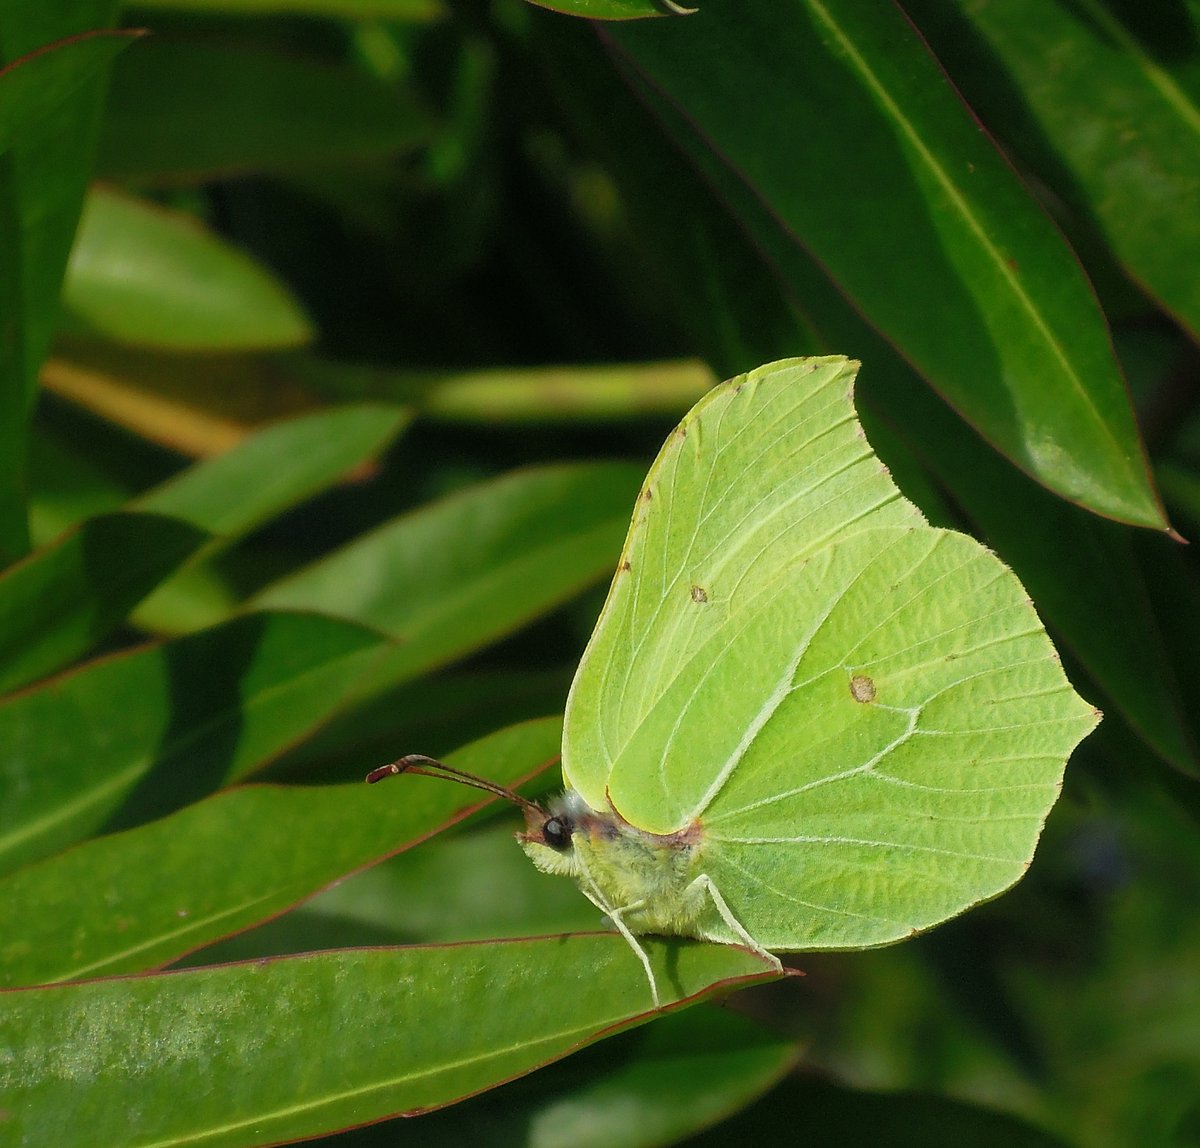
424,766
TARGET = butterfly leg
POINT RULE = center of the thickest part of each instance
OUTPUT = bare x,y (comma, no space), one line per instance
614,915
705,882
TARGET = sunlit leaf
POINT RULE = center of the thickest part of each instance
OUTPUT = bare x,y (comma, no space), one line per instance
59,602
454,575
391,1031
138,899
1100,101
165,724
914,216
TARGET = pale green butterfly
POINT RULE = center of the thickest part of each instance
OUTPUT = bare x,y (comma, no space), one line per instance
806,719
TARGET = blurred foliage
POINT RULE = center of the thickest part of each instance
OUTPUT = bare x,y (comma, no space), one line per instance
356,324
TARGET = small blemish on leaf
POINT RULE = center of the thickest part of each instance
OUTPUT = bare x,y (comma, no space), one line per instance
862,688
699,594
647,494
625,567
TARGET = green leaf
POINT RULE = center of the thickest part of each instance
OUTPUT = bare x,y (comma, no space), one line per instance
432,713
276,468
139,899
472,885
529,395
419,11
183,111
615,9
1108,116
176,721
57,604
834,1114
712,272
397,1031
43,171
912,214
1075,568
651,1087
37,83
149,277
66,488
455,575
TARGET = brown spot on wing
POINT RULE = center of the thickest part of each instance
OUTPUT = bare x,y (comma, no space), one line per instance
862,688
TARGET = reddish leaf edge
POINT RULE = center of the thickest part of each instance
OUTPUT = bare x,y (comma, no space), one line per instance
129,34
629,68
635,1020
85,664
455,819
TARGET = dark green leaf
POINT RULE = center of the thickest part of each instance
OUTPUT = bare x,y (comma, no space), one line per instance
37,83
58,603
1106,114
915,217
1075,567
462,572
139,899
175,720
182,111
43,172
67,488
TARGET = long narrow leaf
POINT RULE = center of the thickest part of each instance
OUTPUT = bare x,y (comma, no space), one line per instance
58,603
138,899
455,575
186,111
1076,568
270,1051
1109,120
43,172
176,719
870,162
35,84
149,277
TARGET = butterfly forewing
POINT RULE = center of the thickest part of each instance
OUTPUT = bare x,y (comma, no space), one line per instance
770,468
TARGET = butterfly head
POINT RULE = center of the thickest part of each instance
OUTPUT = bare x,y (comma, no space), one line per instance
550,834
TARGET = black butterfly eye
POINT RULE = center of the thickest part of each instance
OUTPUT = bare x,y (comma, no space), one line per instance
556,832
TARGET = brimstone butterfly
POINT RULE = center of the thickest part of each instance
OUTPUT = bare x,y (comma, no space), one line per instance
806,718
